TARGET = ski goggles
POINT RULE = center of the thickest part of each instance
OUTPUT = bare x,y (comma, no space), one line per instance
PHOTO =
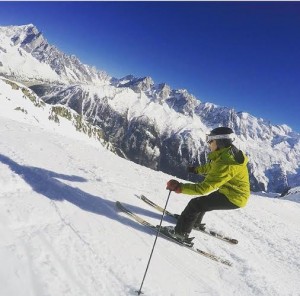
210,138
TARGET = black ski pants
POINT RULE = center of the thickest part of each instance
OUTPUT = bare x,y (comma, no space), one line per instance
197,207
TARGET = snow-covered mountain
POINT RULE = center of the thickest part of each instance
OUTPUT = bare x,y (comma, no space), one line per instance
26,55
149,123
62,235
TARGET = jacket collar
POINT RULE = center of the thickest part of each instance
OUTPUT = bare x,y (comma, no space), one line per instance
215,154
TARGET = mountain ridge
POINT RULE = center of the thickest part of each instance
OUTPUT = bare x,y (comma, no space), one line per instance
150,123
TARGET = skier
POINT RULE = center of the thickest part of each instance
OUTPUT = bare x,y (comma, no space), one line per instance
225,187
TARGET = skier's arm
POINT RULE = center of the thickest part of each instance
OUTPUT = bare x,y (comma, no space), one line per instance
203,169
217,176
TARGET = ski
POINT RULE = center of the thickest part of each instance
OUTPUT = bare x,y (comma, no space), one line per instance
190,246
206,231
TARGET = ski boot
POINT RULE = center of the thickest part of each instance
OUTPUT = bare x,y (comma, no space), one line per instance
200,226
181,237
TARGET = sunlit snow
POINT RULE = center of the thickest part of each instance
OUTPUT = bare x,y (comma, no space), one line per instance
62,235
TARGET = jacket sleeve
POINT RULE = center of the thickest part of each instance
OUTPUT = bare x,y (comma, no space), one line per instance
216,177
203,169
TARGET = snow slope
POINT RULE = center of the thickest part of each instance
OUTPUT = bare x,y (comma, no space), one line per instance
61,234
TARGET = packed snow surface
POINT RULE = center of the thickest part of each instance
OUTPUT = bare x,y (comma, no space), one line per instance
62,235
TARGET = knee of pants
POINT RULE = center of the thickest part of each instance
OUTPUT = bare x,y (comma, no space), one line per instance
193,206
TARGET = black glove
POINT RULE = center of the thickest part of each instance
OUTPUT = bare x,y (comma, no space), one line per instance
192,170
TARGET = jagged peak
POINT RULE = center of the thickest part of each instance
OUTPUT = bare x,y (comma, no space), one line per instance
30,28
161,91
66,68
14,28
133,79
20,31
184,94
135,83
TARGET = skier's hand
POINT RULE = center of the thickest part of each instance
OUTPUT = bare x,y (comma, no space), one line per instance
192,170
174,185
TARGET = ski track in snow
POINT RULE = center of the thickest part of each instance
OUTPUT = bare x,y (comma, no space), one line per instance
61,233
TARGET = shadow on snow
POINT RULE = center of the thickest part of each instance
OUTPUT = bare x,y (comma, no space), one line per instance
48,183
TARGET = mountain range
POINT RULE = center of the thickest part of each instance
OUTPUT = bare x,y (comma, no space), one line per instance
151,124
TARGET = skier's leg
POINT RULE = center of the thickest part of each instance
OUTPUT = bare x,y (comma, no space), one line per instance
199,219
187,218
197,208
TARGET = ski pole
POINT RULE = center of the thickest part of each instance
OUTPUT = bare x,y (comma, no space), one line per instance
162,216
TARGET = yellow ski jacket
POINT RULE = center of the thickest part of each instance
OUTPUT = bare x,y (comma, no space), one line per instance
226,172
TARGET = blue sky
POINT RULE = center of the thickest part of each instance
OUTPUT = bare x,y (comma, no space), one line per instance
237,54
